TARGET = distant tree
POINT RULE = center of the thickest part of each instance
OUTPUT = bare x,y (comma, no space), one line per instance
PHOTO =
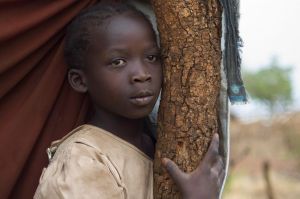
270,85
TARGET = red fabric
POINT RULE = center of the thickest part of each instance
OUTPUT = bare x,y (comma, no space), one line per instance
37,105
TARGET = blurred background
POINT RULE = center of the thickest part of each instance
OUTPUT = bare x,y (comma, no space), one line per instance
265,133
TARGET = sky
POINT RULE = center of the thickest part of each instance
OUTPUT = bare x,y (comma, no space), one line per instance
270,28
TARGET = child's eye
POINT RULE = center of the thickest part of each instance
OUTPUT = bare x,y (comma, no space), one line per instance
152,58
118,62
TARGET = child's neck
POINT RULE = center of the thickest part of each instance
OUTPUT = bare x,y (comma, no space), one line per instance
130,130
127,129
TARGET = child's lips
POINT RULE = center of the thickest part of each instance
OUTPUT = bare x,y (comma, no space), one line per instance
141,101
142,98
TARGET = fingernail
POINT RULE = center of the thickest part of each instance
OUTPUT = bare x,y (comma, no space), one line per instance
164,161
216,135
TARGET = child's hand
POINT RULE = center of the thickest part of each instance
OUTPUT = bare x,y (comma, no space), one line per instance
206,180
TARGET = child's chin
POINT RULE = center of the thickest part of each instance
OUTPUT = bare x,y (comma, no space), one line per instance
139,115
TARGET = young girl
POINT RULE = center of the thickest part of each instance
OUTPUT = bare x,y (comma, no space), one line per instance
112,53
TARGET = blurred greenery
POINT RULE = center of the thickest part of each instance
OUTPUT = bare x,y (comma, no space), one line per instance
270,85
228,182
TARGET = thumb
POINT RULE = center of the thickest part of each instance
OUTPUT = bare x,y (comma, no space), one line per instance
213,150
176,174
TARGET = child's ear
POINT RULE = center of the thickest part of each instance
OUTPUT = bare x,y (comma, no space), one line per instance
77,80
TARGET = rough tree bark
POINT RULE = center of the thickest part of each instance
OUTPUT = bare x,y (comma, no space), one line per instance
190,34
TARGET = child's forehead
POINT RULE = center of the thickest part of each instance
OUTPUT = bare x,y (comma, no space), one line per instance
123,34
124,25
125,21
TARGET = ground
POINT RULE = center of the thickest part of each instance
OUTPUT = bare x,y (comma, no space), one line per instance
275,141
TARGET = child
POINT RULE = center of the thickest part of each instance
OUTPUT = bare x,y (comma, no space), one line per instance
112,53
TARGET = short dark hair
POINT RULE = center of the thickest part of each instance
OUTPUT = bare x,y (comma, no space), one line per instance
78,35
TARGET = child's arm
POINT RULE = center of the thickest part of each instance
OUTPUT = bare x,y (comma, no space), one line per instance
206,180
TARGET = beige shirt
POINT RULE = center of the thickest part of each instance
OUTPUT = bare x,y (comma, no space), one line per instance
92,163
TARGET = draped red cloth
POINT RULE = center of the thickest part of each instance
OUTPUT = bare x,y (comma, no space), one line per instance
37,105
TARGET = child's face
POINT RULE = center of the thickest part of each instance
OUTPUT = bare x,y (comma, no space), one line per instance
123,71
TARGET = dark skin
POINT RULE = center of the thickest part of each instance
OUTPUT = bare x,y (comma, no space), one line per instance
206,180
123,63
123,77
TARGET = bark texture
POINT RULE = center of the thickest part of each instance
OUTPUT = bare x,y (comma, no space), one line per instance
190,34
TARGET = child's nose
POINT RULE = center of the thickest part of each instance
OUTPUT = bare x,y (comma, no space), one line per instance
141,77
140,74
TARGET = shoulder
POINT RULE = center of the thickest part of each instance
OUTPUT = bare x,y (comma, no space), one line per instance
78,165
81,141
82,147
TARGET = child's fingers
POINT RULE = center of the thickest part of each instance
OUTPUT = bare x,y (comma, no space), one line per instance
221,179
218,167
176,174
213,150
217,171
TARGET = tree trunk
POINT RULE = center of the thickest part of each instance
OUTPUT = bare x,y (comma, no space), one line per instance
190,34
